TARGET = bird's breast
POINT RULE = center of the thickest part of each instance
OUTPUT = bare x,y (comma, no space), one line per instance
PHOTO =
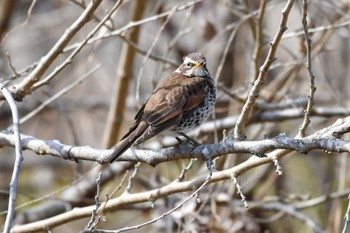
192,120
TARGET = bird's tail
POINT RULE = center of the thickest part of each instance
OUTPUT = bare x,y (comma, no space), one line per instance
134,133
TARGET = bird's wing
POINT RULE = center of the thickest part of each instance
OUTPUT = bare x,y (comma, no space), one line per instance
168,103
164,109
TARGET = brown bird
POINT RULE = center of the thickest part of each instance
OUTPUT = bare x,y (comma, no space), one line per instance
180,103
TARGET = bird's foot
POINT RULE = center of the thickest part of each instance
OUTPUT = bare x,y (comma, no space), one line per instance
179,142
192,142
189,140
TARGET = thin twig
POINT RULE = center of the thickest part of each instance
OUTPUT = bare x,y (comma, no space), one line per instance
132,177
116,189
49,195
94,220
347,218
239,190
317,29
292,211
18,161
185,170
58,95
194,194
155,57
9,62
70,58
226,50
82,5
255,64
312,89
25,86
29,14
156,38
130,25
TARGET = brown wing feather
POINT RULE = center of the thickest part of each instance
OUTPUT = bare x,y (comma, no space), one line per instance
174,102
165,107
134,133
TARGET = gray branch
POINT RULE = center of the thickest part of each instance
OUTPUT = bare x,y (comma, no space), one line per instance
326,139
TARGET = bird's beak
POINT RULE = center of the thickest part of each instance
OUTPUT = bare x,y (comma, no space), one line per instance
199,64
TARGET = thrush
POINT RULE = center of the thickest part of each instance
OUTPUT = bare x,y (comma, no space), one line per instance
180,103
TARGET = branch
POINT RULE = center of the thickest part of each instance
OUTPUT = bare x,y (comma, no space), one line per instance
25,87
171,188
18,161
73,195
254,92
70,58
258,42
292,211
130,25
325,139
58,94
274,116
312,89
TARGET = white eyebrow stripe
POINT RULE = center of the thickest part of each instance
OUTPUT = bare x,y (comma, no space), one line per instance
187,59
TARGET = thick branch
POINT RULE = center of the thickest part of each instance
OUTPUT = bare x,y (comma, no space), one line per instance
325,139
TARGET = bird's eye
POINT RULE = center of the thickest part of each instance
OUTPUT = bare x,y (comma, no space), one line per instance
189,64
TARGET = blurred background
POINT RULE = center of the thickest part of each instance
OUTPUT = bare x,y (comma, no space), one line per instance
234,36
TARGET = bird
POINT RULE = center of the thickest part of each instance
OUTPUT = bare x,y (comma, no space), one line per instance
180,103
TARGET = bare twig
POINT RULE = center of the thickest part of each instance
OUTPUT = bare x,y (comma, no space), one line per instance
254,92
9,62
47,196
94,220
76,51
194,194
130,25
82,5
347,218
18,161
312,89
116,189
278,167
292,211
239,190
25,87
132,177
58,95
317,29
226,50
255,64
7,9
155,57
185,170
156,38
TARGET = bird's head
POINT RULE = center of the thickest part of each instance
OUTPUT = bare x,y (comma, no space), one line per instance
194,65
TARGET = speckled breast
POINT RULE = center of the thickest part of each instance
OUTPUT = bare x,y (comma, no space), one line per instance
194,119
